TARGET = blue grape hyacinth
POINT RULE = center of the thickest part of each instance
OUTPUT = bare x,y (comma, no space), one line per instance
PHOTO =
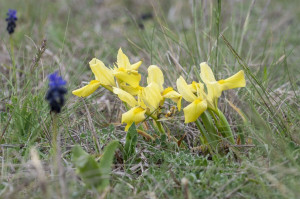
56,92
11,20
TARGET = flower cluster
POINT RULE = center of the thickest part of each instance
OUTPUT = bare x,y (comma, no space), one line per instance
201,100
11,20
124,80
56,92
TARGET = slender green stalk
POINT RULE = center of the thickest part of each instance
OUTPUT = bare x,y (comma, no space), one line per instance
57,167
218,17
224,126
204,134
54,147
11,41
219,125
202,130
54,137
212,134
160,127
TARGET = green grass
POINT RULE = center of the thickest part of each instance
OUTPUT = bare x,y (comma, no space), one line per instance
262,38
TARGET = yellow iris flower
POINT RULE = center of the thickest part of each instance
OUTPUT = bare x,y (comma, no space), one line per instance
103,77
125,71
151,96
149,99
198,104
132,90
136,114
215,88
155,75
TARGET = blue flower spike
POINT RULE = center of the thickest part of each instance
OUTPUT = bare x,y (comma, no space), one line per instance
56,92
11,20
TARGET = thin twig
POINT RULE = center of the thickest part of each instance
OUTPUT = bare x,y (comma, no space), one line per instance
174,178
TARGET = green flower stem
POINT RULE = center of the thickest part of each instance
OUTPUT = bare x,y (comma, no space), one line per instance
54,147
158,123
54,137
203,133
218,124
160,127
11,41
57,167
202,130
224,126
211,130
213,115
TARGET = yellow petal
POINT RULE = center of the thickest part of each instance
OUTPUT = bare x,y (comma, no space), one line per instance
184,90
130,78
151,96
235,81
134,91
140,99
155,75
125,97
206,73
103,74
122,60
214,91
167,90
193,86
194,110
136,115
136,65
173,95
88,89
200,90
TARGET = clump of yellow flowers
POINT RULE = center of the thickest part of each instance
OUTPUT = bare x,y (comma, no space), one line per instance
123,79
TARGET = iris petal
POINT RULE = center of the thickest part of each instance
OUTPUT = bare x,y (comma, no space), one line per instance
173,95
206,73
134,91
155,75
235,81
122,60
136,65
88,89
194,110
151,96
136,115
184,90
125,97
132,79
103,74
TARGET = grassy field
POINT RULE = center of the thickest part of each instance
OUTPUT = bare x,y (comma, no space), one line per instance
259,37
